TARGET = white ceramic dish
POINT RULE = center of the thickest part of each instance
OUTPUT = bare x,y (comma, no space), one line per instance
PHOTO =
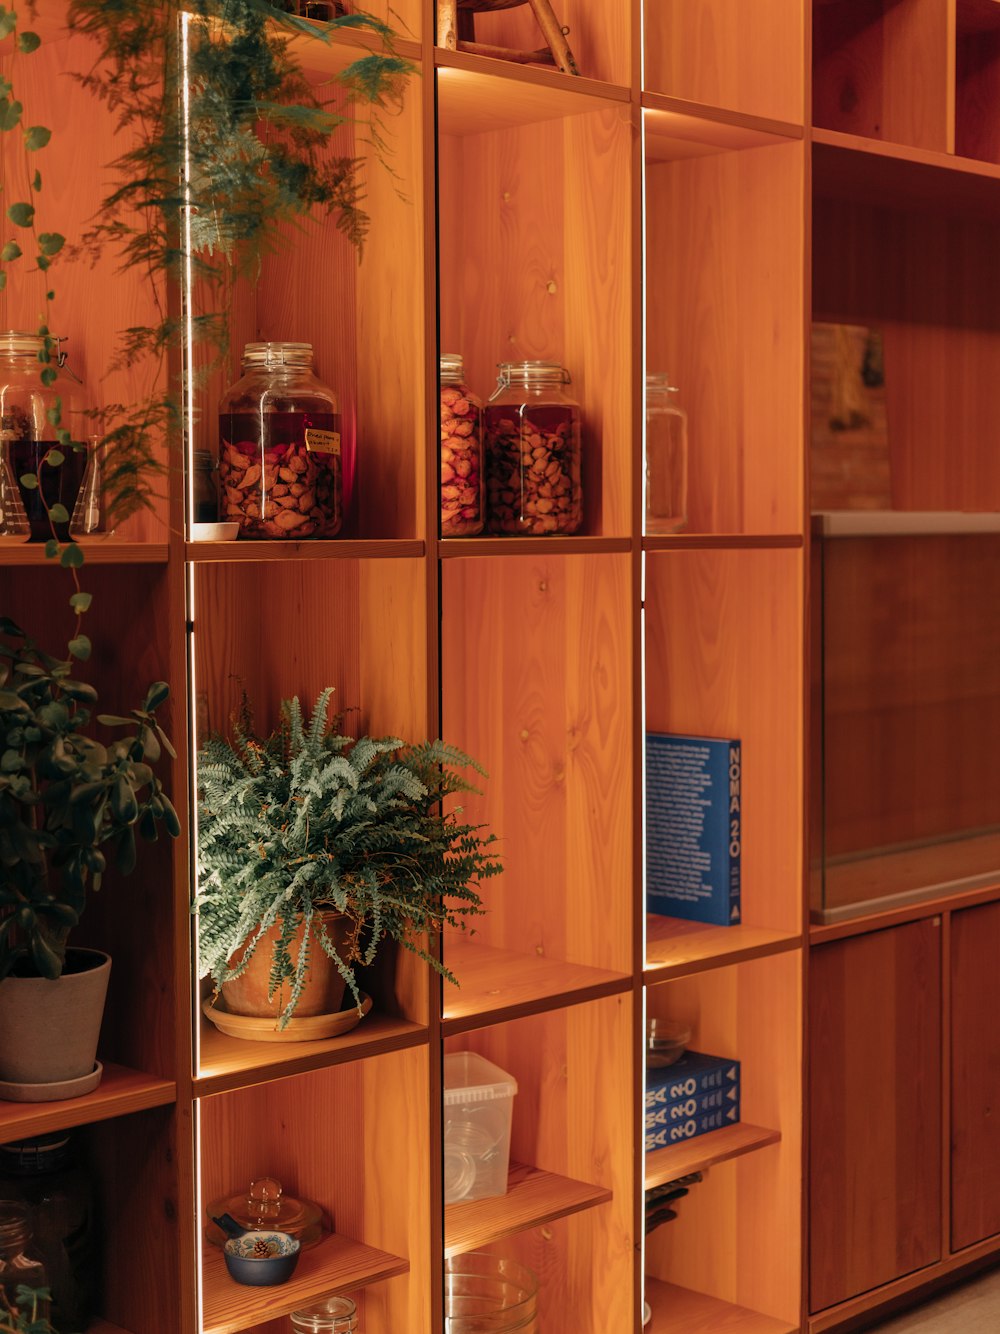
214,532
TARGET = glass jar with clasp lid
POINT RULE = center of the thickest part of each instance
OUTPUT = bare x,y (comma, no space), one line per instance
18,1263
533,464
332,1315
666,457
461,452
281,472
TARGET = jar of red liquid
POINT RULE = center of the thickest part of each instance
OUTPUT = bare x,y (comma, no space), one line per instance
280,464
461,452
532,430
28,437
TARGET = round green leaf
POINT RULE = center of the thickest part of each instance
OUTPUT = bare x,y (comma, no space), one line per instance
80,602
11,251
37,137
59,514
79,647
71,557
10,113
50,243
28,42
49,375
52,548
21,215
28,480
55,458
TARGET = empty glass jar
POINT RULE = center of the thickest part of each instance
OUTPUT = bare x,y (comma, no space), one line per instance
280,464
461,452
666,457
333,1315
533,452
27,434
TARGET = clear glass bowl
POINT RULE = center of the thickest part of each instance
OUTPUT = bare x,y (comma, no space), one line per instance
487,1294
666,1041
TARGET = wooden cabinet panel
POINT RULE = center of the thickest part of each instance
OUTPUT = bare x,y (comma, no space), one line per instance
975,1075
875,1108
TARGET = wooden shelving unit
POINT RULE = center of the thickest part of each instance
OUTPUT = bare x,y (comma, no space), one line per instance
633,218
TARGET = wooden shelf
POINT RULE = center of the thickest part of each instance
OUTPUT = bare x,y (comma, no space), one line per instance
903,523
331,50
324,550
104,1327
722,541
497,985
531,546
680,1311
477,94
675,947
892,879
697,1155
120,1093
228,1063
885,175
676,128
96,551
533,1197
335,1265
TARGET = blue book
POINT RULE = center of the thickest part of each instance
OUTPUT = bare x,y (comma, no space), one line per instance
694,827
659,1137
667,1113
692,1076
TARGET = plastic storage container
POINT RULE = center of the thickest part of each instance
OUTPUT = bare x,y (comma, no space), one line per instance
533,452
488,1294
666,457
281,470
462,485
478,1105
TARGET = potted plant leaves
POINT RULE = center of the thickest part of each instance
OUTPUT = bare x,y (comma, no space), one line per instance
313,848
64,795
26,1312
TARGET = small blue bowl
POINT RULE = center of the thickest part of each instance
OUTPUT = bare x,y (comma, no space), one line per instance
262,1259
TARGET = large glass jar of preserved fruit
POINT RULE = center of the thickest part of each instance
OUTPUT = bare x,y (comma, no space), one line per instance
532,429
280,464
461,453
27,434
666,457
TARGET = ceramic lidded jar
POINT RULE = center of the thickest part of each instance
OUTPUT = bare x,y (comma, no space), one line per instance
281,471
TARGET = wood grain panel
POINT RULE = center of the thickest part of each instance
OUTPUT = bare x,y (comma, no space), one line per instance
885,70
567,1122
723,659
535,245
941,334
75,179
719,1146
533,1197
120,1093
727,53
911,686
977,90
975,1087
600,35
752,1011
133,1161
724,256
536,685
676,1309
875,1110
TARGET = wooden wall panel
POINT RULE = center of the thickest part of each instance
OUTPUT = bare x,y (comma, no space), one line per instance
941,332
874,1110
752,1011
744,56
724,255
535,264
975,1075
536,684
884,69
912,689
977,91
723,659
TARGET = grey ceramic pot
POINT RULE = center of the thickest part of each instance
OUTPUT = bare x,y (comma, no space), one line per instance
49,1028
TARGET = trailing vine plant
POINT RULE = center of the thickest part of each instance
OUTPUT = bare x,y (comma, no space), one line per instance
227,140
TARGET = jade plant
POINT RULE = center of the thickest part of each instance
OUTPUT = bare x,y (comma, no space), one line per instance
306,820
64,795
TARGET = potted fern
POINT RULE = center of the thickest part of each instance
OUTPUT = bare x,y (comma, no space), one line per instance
313,847
64,796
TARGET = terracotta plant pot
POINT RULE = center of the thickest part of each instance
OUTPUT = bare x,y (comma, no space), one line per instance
49,1028
324,989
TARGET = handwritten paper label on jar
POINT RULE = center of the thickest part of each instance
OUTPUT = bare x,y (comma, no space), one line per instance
322,442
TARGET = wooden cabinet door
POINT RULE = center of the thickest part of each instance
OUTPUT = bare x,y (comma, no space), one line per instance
875,1109
975,1075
